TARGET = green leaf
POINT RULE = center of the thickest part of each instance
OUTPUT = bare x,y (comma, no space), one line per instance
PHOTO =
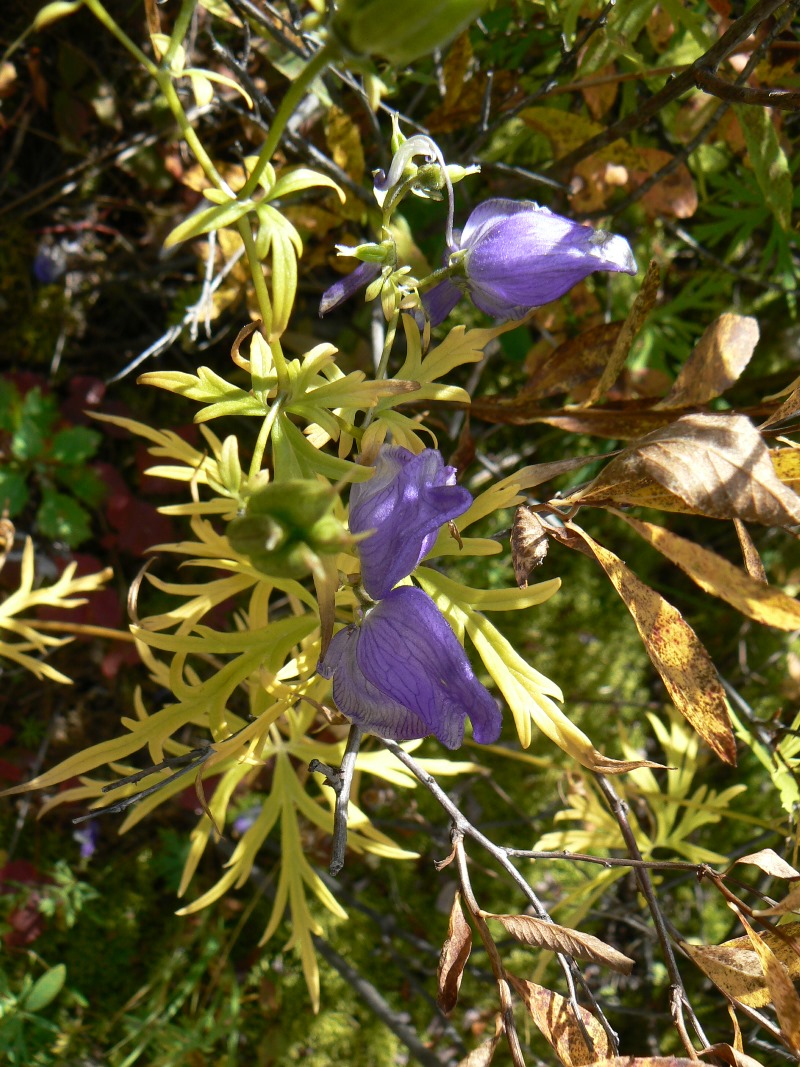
74,445
293,181
84,483
53,12
45,989
769,161
37,415
210,218
13,492
9,405
61,518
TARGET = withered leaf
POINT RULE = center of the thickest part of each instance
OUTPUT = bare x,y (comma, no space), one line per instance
768,860
716,464
344,142
453,959
735,968
781,988
529,544
788,408
645,1061
722,579
733,1056
752,560
640,309
623,481
675,651
791,902
555,1018
541,934
718,359
786,462
575,362
623,420
481,1056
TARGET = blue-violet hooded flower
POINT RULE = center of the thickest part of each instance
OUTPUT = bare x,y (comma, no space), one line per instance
402,673
517,256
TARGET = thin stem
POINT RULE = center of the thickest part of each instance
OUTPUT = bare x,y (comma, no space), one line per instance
679,999
80,629
179,30
346,771
167,87
262,294
498,970
383,365
293,97
103,16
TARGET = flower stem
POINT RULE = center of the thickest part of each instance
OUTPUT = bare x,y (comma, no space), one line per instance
383,366
179,30
293,97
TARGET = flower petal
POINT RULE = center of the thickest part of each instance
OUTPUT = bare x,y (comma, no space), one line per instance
520,256
348,286
361,701
440,301
407,651
406,502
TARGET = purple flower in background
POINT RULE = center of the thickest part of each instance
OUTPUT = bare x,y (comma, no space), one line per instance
348,286
402,673
518,256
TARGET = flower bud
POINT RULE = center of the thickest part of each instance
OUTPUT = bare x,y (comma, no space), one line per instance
401,33
286,525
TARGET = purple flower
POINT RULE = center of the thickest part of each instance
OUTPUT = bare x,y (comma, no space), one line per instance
406,502
401,673
518,256
348,286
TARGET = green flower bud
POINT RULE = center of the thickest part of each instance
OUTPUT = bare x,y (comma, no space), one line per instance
401,32
286,526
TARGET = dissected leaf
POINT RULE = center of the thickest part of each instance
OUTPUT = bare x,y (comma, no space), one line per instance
529,544
541,934
768,861
640,309
555,1018
453,959
676,652
769,161
735,968
722,579
718,359
779,982
716,465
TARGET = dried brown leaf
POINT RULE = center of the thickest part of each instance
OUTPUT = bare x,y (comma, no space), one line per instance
722,579
482,1055
541,934
734,966
768,861
625,420
728,1054
791,902
716,465
788,408
645,1061
675,651
779,982
529,544
555,1018
752,560
575,363
453,959
718,359
640,309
